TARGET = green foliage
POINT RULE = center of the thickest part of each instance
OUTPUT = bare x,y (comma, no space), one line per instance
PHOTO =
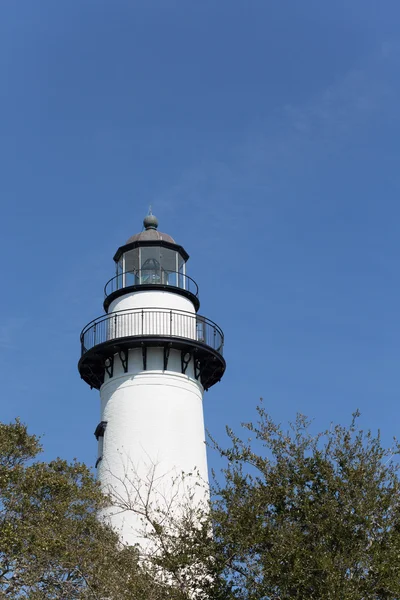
295,516
49,531
52,543
300,516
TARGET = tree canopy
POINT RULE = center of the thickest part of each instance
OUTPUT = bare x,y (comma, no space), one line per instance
309,516
52,543
299,516
293,516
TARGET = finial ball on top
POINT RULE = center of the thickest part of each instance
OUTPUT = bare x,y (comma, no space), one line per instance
150,222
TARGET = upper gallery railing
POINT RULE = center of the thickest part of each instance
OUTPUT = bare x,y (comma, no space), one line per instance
151,277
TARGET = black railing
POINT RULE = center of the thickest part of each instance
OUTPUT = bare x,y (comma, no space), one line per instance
151,277
153,322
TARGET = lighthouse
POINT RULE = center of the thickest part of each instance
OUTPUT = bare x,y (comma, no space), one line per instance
151,355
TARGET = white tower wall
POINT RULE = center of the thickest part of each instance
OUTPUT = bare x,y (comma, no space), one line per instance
152,299
152,313
155,428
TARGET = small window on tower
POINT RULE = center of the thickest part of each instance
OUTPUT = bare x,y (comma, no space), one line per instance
100,429
99,433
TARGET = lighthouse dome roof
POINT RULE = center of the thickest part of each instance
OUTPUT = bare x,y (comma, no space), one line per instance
151,232
151,235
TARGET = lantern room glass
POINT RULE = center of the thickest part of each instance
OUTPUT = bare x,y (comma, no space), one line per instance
151,265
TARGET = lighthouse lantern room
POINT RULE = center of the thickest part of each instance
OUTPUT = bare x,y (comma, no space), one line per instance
151,355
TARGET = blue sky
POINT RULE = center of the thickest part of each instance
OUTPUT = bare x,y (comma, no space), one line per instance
266,137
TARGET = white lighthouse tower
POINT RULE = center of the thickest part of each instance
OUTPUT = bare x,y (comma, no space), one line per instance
151,355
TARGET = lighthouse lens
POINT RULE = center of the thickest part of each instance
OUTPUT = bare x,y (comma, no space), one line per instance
151,272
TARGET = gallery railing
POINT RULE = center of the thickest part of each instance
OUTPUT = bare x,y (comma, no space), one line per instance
151,277
152,322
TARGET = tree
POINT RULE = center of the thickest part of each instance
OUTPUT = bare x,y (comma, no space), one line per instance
294,516
298,516
52,543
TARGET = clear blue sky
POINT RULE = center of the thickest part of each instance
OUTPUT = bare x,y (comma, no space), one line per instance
266,136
